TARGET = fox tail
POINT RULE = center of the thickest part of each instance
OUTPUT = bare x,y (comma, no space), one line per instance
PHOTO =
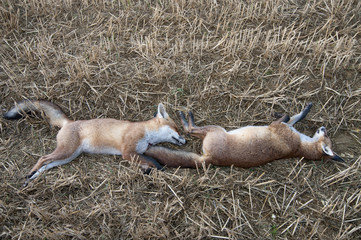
52,112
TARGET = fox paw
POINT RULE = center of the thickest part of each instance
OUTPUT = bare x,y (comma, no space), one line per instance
27,177
147,171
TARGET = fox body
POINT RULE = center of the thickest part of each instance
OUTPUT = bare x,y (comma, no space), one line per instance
248,146
105,136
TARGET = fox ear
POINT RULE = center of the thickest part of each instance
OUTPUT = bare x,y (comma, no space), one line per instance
162,113
327,150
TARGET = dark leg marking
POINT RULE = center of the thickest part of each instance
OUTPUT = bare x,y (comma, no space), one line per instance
304,112
191,118
154,161
285,118
27,177
183,119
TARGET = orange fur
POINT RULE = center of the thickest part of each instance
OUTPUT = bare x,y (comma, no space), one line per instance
107,136
248,146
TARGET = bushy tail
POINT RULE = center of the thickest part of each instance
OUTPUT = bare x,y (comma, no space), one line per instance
174,158
53,113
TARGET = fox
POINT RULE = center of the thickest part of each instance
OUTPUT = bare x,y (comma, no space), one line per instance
248,146
98,136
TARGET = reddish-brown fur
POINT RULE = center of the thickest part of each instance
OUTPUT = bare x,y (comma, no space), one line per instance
110,133
109,136
245,147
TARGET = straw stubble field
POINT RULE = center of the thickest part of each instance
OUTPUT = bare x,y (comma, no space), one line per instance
233,63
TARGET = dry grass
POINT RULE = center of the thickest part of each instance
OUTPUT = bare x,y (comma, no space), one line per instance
233,63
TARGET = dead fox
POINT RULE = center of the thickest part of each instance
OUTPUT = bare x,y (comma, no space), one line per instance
106,136
248,146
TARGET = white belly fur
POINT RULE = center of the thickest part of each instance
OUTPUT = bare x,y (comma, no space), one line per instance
87,147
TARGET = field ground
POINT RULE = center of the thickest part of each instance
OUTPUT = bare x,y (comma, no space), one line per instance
233,63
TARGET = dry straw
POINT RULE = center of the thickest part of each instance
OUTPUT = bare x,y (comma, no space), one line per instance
233,63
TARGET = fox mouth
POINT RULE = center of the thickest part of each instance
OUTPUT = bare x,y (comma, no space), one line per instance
179,142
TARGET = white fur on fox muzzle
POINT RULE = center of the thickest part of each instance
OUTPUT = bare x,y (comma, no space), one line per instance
179,141
183,141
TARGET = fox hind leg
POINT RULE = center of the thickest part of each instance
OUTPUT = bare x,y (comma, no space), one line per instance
285,119
298,117
52,163
64,153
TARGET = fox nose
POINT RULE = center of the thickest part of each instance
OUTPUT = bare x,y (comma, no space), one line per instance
337,158
180,140
321,129
183,140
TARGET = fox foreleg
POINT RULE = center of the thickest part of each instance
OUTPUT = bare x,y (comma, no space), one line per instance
176,158
146,163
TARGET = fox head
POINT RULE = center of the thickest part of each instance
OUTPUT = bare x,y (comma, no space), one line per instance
167,130
324,145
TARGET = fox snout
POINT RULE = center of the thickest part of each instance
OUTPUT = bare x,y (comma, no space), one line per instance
179,140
